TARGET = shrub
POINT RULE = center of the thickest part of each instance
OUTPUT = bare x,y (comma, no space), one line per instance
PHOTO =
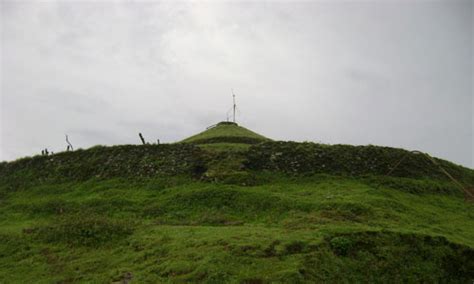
341,245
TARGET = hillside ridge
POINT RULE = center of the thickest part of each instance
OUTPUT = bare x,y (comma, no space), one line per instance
252,210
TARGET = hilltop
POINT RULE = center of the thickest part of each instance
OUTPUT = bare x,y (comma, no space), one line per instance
226,136
230,205
226,132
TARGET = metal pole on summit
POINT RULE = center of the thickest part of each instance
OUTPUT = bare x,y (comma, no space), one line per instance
233,96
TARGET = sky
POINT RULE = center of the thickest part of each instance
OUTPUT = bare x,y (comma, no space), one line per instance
391,73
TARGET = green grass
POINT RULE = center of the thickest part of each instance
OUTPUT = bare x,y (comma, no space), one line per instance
223,207
319,228
223,147
225,132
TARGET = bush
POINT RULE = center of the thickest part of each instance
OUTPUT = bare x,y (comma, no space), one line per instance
341,245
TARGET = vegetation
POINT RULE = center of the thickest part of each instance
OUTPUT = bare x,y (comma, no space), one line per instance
233,213
226,132
311,158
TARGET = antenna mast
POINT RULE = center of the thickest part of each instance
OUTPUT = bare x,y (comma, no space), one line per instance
233,96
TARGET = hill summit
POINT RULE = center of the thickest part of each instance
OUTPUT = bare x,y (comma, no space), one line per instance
226,132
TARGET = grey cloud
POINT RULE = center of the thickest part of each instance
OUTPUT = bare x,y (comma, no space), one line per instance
395,73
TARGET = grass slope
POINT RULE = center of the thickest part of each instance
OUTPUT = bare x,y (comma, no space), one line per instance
230,212
321,228
226,132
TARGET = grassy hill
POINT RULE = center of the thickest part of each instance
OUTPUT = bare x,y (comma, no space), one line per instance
226,136
242,212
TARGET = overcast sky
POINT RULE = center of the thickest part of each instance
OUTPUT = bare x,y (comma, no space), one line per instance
394,73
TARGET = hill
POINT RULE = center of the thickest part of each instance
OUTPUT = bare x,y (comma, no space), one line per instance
227,136
226,132
251,210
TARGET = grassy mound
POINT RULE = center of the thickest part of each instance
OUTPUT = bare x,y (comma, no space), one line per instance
226,132
233,163
234,210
